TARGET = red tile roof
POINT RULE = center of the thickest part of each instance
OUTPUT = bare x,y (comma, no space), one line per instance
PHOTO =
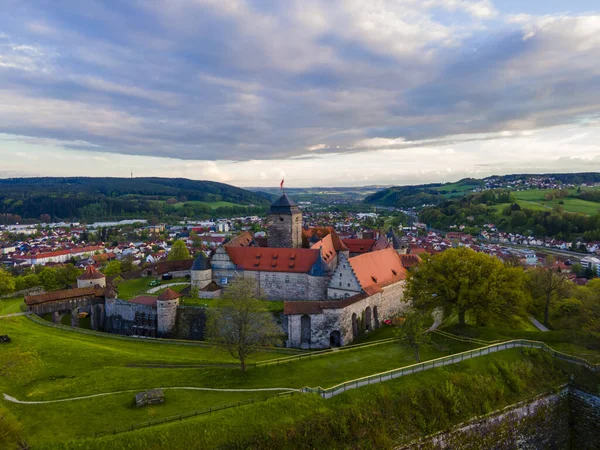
359,245
297,260
64,295
328,252
410,260
90,274
321,232
169,294
375,270
144,300
241,240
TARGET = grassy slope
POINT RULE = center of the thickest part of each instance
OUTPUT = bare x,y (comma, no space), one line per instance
379,416
10,306
76,364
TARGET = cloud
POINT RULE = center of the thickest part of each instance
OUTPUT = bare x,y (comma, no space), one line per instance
241,80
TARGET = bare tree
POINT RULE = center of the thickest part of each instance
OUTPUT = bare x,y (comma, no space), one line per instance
240,323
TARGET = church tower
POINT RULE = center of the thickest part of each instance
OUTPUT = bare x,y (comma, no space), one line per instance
285,224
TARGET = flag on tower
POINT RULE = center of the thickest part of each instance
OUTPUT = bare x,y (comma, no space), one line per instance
281,184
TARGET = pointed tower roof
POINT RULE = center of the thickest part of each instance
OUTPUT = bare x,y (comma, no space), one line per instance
169,294
202,262
284,205
90,274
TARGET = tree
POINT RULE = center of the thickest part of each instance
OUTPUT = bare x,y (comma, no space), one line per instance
127,263
26,282
7,283
179,251
240,323
112,268
465,280
50,279
547,284
413,332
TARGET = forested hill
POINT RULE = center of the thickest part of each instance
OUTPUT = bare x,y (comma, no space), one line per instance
89,199
433,194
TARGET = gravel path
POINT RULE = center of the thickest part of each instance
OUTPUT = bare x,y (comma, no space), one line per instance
163,286
540,326
13,315
185,388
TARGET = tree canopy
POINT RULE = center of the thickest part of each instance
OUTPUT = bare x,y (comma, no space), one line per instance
178,251
464,280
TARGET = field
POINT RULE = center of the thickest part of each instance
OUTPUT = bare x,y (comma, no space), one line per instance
534,199
76,364
211,205
10,305
79,365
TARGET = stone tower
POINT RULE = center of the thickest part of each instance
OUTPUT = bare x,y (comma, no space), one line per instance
90,278
201,272
285,224
166,312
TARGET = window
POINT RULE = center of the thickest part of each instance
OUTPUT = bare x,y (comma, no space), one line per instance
340,284
348,284
340,274
287,278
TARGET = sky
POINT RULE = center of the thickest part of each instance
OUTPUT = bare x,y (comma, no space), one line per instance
321,92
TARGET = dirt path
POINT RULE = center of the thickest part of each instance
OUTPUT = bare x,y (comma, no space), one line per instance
8,398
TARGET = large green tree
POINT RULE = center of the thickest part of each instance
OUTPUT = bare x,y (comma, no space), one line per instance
112,268
547,284
465,280
7,283
240,322
178,251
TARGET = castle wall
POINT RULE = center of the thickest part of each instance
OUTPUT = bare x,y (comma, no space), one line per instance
383,304
122,317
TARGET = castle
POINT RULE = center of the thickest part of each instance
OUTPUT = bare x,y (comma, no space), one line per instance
333,290
330,297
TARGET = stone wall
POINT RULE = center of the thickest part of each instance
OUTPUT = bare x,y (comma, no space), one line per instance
349,322
129,319
191,323
569,419
344,282
584,419
200,278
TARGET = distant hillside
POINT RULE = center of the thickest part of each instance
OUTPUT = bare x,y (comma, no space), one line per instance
434,194
90,199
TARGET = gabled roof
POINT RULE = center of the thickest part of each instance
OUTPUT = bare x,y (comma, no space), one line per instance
359,245
91,274
241,240
64,295
321,232
296,260
169,294
375,270
328,252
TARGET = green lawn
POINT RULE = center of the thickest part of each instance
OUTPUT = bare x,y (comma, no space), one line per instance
139,286
378,416
270,305
76,365
10,306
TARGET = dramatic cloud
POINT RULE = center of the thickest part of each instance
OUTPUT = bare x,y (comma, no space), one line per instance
299,82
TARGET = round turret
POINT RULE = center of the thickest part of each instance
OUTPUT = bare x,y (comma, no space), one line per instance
90,278
166,312
201,272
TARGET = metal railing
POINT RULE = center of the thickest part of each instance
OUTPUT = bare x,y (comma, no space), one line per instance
447,360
